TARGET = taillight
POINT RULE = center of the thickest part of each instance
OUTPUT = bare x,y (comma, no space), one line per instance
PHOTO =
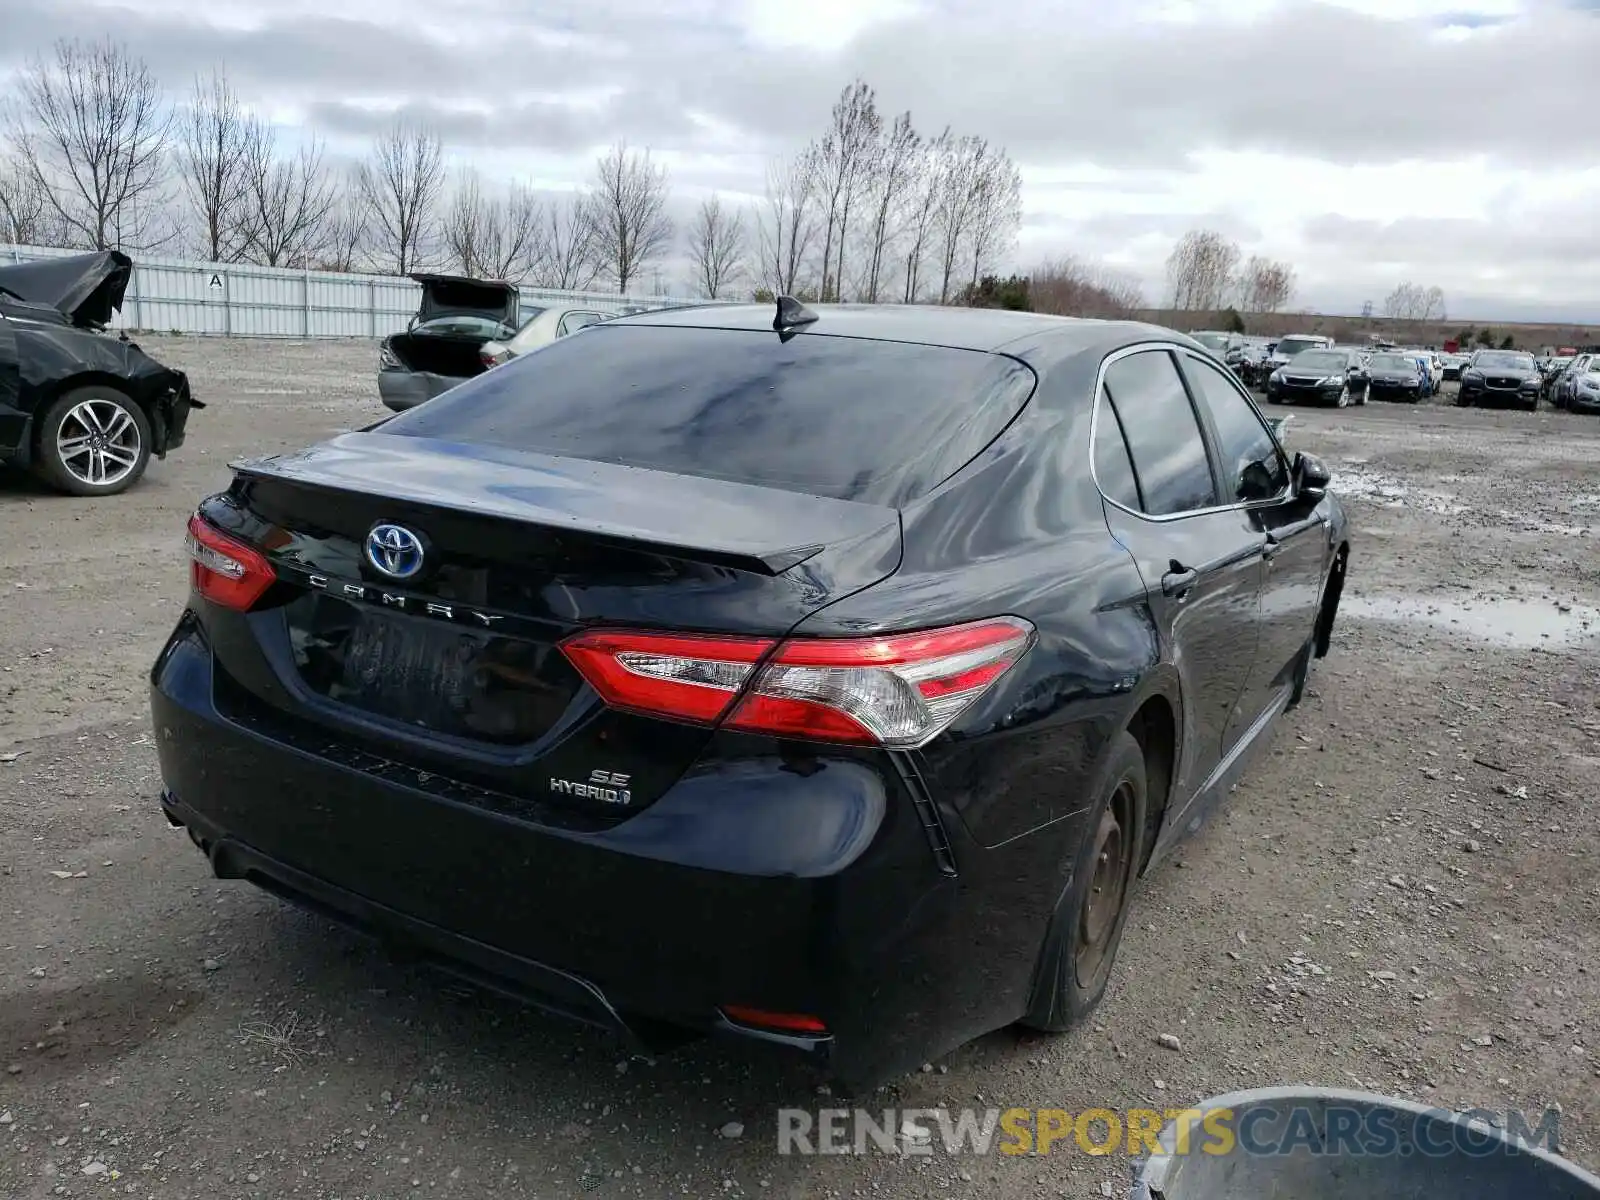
896,690
225,571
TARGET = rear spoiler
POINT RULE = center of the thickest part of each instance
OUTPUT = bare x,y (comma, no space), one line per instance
762,530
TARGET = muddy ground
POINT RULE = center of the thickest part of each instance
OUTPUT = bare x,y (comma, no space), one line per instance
1401,896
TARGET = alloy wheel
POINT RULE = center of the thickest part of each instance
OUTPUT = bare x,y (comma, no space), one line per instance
98,442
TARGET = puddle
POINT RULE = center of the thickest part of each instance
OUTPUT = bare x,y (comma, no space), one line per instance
1388,492
1515,624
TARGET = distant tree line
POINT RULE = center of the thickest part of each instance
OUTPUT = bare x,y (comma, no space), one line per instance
1206,272
93,154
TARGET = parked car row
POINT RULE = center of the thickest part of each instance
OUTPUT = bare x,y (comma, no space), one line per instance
1309,368
1573,383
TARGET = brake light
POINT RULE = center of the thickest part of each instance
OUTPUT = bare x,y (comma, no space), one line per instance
895,690
784,1022
225,571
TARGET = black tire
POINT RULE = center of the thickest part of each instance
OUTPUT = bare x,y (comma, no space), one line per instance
123,432
1328,609
1271,399
1342,400
1080,945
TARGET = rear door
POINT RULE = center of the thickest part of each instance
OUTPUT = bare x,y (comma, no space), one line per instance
1200,556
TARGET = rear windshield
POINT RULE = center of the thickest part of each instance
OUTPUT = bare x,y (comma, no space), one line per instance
846,418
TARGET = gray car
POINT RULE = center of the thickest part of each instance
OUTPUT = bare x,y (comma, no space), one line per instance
443,344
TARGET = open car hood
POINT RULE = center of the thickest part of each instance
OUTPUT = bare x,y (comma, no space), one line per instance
87,289
453,295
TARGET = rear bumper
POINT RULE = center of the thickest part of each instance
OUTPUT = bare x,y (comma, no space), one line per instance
400,390
748,883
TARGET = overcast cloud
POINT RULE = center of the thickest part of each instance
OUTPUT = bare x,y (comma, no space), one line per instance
1366,141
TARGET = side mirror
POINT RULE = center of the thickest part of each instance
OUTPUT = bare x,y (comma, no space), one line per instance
1311,476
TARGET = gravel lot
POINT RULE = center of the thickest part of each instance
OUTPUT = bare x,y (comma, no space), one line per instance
1410,870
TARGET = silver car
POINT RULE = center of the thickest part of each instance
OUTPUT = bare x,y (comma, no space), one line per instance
544,328
442,345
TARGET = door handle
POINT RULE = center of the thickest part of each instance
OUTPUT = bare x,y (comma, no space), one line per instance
1270,548
1178,579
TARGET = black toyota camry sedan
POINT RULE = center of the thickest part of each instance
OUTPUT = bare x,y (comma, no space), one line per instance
823,679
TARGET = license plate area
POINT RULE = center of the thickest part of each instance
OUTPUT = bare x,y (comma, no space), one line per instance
429,674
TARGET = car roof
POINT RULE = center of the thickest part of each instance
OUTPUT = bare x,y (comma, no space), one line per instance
933,325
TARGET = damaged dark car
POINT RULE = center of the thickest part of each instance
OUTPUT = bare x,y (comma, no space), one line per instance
81,408
442,345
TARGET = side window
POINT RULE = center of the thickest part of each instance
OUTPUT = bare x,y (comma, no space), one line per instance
1113,469
1164,439
1252,465
575,321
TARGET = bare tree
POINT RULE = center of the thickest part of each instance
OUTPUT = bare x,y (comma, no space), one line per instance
91,132
925,192
716,246
399,184
345,231
1433,305
894,170
965,163
493,236
1200,270
627,213
214,143
27,218
996,211
844,161
566,246
293,205
1413,302
786,228
1070,287
1265,286
1401,304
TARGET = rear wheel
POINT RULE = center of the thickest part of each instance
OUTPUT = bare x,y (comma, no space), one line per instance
93,441
1081,943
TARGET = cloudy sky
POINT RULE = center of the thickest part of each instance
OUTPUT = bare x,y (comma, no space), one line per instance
1448,142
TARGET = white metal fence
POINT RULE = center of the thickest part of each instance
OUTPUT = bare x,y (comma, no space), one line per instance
239,300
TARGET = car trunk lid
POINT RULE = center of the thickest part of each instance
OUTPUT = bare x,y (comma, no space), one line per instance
455,668
452,295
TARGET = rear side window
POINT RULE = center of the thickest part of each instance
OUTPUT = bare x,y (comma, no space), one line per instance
1169,452
846,418
1113,469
